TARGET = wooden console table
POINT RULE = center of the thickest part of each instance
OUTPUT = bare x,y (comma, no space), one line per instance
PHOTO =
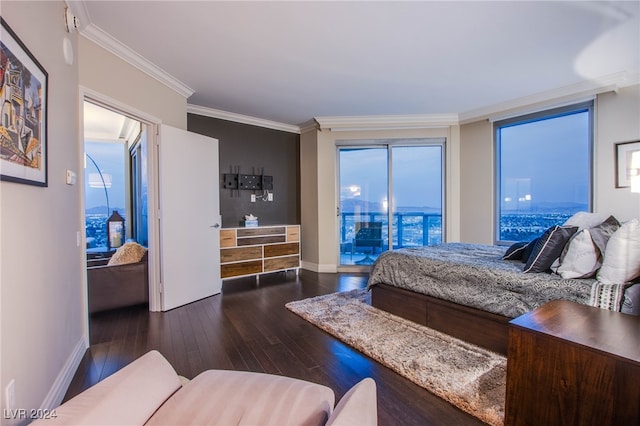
571,364
257,250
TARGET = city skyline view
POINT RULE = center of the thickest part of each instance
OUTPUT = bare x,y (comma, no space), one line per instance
109,158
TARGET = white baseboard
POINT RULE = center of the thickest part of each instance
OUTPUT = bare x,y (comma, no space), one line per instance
59,388
320,268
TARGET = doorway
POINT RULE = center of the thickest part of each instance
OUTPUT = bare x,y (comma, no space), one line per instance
112,149
117,176
391,196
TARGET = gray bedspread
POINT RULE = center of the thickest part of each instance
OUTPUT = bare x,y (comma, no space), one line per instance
476,276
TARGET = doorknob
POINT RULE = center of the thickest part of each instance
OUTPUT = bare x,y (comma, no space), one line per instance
217,225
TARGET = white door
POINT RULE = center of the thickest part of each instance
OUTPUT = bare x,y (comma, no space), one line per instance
189,217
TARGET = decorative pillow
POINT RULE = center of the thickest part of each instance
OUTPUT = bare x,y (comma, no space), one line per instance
585,220
127,253
515,251
600,234
529,249
548,248
579,259
622,255
631,300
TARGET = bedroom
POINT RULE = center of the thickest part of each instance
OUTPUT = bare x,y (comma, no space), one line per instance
48,303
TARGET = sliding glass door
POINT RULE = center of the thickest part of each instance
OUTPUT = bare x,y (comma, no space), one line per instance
417,195
398,182
364,185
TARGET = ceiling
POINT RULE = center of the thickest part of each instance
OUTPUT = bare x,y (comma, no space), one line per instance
104,125
289,62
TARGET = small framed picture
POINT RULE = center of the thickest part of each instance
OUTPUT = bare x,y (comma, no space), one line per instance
624,150
23,124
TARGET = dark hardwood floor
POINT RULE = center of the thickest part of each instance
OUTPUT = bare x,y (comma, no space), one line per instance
248,328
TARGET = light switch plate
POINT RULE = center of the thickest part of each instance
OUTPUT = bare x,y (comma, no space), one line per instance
71,177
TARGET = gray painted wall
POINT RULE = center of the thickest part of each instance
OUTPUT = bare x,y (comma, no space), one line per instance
254,149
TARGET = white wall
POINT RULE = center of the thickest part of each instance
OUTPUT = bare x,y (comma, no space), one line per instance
616,119
476,176
42,277
41,274
309,200
106,74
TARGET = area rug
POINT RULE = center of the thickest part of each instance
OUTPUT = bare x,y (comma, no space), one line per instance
469,377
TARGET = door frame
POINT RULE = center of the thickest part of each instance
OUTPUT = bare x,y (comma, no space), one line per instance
152,123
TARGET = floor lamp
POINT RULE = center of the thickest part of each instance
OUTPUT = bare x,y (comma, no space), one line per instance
101,184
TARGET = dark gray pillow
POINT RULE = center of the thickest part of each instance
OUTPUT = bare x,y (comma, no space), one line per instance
631,300
548,248
515,251
528,249
600,234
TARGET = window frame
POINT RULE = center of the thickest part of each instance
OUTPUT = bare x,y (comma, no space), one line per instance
547,114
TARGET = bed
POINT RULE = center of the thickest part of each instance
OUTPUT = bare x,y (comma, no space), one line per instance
466,290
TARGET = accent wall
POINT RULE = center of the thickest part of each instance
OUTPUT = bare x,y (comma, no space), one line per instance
250,150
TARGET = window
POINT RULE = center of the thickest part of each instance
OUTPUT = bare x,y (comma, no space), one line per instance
105,188
140,188
543,170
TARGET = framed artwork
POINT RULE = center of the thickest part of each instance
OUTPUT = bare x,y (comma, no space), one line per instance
624,150
23,112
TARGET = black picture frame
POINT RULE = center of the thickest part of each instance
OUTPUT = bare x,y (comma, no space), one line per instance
23,112
623,162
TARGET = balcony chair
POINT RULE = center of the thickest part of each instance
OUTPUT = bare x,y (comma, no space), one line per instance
368,235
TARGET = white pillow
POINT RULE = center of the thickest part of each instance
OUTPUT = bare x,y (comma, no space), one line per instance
580,258
586,220
622,256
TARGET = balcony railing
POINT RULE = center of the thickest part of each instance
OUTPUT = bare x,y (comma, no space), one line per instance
411,229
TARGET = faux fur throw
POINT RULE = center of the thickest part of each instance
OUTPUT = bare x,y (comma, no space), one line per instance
607,296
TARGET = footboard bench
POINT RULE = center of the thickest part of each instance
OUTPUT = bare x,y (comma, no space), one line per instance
481,328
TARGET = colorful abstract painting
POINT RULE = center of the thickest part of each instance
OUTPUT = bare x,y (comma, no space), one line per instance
23,113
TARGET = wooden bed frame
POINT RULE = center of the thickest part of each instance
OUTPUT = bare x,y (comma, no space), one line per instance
472,325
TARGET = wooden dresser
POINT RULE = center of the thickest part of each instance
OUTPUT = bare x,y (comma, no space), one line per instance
571,364
253,251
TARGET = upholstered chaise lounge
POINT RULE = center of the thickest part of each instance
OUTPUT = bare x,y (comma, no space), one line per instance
149,392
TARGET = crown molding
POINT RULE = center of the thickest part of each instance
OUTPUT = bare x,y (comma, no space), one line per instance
309,126
103,39
386,122
243,119
106,41
551,98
